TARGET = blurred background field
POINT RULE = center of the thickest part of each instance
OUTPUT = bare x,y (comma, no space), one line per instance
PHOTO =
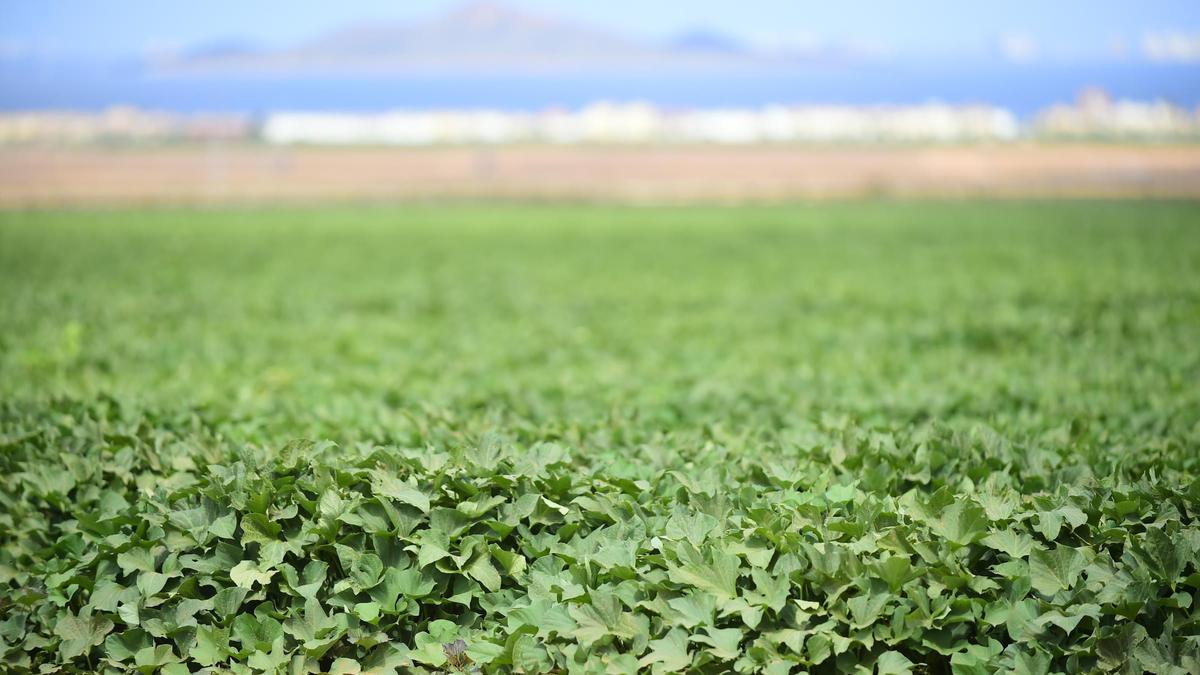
217,175
533,100
344,323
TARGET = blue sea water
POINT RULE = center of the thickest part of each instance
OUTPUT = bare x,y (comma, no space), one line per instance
1022,89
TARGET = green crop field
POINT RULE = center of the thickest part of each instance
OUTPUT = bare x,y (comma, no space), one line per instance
859,437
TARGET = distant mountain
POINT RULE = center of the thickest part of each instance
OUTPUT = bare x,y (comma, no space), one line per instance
705,40
223,49
479,37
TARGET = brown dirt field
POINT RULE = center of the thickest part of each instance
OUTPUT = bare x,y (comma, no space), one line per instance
32,177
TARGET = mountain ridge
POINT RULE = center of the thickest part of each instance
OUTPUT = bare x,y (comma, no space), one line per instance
480,37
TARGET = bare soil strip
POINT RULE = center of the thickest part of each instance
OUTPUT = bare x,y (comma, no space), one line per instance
250,174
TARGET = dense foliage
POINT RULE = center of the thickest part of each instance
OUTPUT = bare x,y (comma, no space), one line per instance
874,437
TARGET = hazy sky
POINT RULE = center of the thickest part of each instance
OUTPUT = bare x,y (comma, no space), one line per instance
1062,28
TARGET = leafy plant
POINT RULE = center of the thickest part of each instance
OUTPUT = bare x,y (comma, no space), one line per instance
854,438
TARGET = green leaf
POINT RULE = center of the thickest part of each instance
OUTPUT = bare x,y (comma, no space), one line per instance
602,618
174,669
1031,662
80,633
590,624
1117,644
895,570
246,574
1054,570
482,652
258,529
696,608
136,560
893,663
344,666
867,607
769,590
962,523
1068,618
224,527
1021,620
123,646
1167,556
227,601
694,526
388,485
443,631
544,616
272,660
211,645
1050,522
365,572
152,659
482,571
367,611
841,494
1014,544
401,583
723,642
512,564
669,652
718,576
529,656
435,545
150,583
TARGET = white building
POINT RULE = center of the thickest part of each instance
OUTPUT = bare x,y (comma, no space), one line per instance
642,123
1096,115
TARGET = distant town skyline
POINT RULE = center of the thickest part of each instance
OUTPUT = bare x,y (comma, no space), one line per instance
1018,30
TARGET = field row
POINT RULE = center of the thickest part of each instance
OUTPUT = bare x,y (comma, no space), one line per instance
869,437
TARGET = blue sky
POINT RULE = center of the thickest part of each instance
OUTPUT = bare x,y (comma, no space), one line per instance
1058,29
1022,54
